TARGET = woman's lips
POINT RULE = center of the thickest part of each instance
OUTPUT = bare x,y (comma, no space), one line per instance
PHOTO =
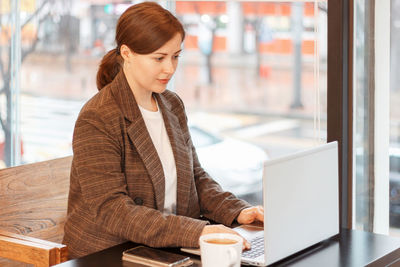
164,81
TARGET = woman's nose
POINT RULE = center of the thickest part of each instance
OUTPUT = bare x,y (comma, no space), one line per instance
169,67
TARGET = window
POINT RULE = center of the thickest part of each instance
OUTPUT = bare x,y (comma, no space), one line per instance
394,124
376,134
253,77
253,72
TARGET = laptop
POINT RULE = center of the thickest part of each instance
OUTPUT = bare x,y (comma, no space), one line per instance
301,205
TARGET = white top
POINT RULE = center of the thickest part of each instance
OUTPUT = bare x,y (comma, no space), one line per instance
156,127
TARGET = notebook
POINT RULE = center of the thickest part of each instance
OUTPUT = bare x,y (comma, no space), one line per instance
301,205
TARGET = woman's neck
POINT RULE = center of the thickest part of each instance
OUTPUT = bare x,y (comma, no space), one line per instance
144,98
148,103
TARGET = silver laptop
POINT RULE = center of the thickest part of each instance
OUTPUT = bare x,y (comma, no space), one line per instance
301,205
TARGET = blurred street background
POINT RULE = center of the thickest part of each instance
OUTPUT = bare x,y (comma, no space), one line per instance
51,98
252,75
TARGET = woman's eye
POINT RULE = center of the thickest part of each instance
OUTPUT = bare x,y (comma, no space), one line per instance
176,57
159,58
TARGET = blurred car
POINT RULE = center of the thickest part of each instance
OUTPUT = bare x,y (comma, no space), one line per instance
234,164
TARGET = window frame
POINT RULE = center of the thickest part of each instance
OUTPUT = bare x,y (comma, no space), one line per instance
340,99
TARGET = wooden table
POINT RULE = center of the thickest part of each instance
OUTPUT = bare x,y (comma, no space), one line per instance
349,248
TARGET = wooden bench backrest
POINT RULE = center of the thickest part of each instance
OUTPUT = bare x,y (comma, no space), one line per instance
34,199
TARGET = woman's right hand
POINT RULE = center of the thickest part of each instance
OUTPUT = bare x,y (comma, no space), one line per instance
219,228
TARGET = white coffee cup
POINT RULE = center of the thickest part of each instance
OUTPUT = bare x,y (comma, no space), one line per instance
221,250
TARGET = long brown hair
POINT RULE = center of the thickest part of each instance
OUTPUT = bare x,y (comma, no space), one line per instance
144,28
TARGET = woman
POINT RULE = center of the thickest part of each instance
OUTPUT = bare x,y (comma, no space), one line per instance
135,173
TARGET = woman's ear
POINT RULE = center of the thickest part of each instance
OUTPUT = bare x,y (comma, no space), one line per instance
126,53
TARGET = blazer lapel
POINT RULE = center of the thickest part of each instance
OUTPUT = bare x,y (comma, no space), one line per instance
181,155
139,136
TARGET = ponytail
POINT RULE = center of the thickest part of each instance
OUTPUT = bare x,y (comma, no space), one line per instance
109,67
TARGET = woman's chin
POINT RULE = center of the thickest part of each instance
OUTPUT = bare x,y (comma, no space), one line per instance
159,89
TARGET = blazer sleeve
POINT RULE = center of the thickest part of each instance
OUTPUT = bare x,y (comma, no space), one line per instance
215,203
98,152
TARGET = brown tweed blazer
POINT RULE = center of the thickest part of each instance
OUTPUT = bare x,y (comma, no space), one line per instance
117,181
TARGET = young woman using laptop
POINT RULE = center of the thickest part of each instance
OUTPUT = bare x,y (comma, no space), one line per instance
135,173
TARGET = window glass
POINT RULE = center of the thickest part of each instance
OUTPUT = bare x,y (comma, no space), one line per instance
11,21
376,135
252,76
254,73
362,138
394,147
62,45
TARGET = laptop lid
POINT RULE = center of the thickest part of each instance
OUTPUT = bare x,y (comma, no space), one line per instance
301,204
301,200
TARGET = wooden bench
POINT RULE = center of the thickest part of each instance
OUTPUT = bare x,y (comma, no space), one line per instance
33,210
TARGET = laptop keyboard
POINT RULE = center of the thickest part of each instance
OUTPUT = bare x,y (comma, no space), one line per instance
257,248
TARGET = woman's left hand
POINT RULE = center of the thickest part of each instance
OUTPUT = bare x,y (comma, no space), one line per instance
251,214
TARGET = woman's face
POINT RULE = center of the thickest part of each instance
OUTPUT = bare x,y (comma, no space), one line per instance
151,72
